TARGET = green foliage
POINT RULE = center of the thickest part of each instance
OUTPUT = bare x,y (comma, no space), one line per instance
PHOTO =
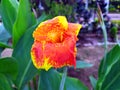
26,68
53,8
8,72
8,11
4,84
9,66
109,77
48,2
113,31
60,9
93,81
112,8
51,81
25,19
116,22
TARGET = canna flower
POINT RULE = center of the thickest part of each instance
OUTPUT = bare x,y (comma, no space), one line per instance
55,44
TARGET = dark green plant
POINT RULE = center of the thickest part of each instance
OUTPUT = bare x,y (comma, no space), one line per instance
60,9
54,8
113,32
112,8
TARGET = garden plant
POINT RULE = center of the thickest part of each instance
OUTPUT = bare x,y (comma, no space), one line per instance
44,48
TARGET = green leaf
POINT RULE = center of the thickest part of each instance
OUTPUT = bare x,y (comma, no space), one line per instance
25,20
83,64
4,45
50,80
9,66
112,56
15,3
22,53
8,11
42,18
109,78
4,84
93,81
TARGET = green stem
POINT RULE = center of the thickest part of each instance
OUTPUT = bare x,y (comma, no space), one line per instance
29,86
39,83
34,83
23,76
63,79
105,41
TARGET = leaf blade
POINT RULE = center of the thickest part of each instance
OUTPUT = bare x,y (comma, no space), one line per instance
8,12
4,84
50,77
25,20
24,46
108,79
93,81
9,66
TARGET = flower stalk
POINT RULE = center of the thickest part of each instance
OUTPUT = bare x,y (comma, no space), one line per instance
62,84
101,19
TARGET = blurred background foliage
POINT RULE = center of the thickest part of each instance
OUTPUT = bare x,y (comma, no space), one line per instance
80,11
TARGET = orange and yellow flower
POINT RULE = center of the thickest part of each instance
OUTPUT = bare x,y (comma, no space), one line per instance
55,44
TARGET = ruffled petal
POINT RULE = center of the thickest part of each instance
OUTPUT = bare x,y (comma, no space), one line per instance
57,55
38,56
74,28
51,30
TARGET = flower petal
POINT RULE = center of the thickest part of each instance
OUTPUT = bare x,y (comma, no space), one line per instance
38,57
51,30
74,28
54,55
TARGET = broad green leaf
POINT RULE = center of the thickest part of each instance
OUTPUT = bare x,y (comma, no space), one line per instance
4,84
25,20
9,66
8,11
93,81
83,64
15,3
50,80
112,56
109,77
22,54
